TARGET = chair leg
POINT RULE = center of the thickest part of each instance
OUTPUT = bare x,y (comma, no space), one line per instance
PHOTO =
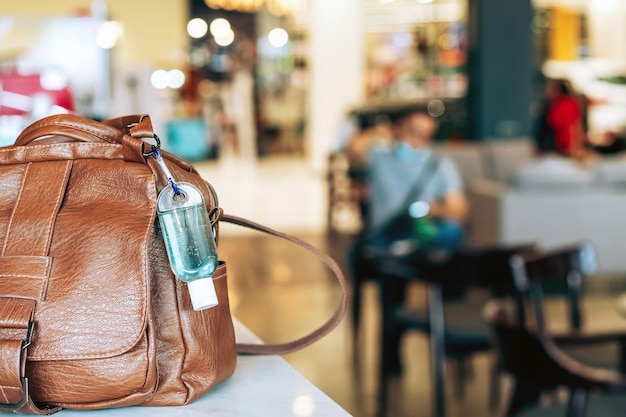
437,347
355,261
459,366
622,358
383,358
524,394
356,306
494,384
577,404
391,295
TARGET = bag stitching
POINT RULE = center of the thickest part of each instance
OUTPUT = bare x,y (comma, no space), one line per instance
75,126
57,203
24,276
53,145
19,195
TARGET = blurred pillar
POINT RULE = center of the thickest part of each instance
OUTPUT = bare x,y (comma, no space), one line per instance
607,31
336,65
501,68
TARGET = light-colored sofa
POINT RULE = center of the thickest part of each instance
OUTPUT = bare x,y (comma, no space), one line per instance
517,198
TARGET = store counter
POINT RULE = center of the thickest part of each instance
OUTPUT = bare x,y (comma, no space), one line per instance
261,386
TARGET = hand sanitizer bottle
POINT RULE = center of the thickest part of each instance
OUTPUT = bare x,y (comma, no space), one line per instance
189,241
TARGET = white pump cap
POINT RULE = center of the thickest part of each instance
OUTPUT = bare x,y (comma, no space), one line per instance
202,292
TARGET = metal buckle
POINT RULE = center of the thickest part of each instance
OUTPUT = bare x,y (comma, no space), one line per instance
29,333
16,407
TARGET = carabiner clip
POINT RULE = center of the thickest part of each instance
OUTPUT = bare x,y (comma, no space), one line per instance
158,146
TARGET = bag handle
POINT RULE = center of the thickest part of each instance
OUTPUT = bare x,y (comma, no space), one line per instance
114,131
82,129
324,329
78,128
130,135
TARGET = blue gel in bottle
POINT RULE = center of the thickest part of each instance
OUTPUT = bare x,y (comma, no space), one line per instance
189,241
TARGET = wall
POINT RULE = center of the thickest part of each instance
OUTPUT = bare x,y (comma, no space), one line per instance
160,40
607,29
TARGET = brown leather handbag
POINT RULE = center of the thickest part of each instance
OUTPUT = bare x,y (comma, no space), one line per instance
91,315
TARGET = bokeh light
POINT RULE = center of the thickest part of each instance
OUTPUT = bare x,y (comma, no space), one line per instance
220,28
159,79
225,40
175,78
53,79
436,108
108,34
278,37
197,28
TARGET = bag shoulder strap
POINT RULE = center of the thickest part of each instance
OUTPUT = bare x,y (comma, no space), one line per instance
324,329
425,175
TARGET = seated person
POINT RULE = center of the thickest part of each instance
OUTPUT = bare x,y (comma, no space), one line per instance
357,151
405,182
409,188
561,123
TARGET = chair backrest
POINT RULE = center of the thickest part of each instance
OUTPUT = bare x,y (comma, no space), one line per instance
532,356
485,266
488,265
567,266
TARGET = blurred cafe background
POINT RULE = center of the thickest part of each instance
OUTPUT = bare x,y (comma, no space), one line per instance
265,96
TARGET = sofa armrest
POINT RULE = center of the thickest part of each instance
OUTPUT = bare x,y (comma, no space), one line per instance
485,200
487,188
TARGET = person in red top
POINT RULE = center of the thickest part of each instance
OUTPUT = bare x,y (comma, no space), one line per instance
564,117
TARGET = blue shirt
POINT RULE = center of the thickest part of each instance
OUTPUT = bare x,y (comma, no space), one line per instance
392,174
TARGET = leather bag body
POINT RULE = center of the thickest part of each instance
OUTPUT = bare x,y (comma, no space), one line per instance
91,315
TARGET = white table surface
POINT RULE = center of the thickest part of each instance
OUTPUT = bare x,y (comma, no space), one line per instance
261,386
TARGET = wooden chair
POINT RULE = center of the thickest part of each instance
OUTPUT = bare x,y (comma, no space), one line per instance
540,278
452,317
533,358
343,197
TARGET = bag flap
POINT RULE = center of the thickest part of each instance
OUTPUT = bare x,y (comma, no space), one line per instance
97,296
